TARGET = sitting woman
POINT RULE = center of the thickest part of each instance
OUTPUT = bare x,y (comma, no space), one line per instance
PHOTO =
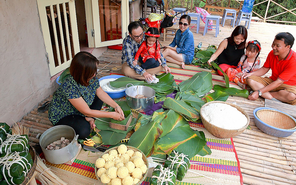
231,49
184,52
79,98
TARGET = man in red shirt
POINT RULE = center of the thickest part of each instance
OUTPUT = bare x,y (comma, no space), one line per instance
281,85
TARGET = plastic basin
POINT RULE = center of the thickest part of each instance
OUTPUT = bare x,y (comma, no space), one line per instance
117,94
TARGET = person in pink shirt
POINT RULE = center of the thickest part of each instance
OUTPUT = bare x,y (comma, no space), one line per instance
281,85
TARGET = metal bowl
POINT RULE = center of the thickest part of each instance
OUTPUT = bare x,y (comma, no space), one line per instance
274,122
139,104
64,154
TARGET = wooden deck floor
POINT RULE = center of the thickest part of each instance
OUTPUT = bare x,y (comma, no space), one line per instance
264,159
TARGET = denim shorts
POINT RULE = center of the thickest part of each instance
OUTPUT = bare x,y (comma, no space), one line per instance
186,59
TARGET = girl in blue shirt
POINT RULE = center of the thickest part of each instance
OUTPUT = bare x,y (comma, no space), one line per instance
184,52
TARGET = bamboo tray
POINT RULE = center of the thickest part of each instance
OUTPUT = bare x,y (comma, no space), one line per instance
221,132
32,170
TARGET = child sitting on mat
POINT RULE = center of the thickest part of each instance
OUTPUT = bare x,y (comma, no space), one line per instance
248,63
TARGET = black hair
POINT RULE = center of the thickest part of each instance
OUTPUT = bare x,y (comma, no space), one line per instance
286,37
154,31
239,30
187,17
253,47
134,25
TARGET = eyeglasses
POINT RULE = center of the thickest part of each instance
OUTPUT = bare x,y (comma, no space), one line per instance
181,23
139,36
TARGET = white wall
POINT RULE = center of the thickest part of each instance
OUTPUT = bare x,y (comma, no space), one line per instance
24,72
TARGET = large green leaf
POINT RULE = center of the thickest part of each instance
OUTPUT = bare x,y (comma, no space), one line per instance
216,96
179,106
224,74
142,120
171,121
110,137
191,99
123,81
206,53
232,91
200,83
187,141
65,74
145,137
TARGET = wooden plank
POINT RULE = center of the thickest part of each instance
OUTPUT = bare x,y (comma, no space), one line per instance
287,108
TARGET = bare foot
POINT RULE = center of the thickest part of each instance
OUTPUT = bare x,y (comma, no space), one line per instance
183,65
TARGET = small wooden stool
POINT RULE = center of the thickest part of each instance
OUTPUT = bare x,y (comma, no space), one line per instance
232,16
243,16
197,20
208,26
173,30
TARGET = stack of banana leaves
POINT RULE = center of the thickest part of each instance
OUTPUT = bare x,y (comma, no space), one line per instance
155,134
15,159
201,57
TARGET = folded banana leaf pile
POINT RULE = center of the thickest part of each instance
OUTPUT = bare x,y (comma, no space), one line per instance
178,162
163,176
4,130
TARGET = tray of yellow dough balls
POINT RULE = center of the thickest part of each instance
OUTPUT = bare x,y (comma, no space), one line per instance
122,165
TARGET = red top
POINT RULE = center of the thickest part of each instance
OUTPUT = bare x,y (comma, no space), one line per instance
153,52
284,69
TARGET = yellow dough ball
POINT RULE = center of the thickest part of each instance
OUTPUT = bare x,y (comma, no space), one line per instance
137,173
128,180
113,153
125,158
144,168
122,172
109,164
116,181
122,149
117,160
100,163
139,154
112,172
130,166
106,157
130,153
118,165
136,180
138,162
105,179
101,171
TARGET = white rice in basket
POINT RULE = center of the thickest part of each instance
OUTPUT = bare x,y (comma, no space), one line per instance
224,116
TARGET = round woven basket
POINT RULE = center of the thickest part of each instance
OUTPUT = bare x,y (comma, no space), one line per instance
221,132
274,122
128,148
32,170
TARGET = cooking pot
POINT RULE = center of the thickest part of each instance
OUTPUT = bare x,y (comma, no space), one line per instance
64,154
139,104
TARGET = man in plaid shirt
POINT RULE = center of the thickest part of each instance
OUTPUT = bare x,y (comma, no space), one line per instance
130,47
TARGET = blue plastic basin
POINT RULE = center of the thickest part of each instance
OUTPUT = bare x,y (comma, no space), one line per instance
271,130
114,95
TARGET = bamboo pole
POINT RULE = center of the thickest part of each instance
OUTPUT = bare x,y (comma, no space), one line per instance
35,124
36,119
266,176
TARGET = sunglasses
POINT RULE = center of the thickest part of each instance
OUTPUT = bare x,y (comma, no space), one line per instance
181,23
136,37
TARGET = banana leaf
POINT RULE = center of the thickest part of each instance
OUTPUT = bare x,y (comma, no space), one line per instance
187,142
224,74
65,74
179,106
191,99
217,95
110,137
171,121
200,83
103,124
145,137
232,91
142,120
124,106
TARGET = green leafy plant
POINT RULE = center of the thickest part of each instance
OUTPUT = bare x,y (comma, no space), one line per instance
201,57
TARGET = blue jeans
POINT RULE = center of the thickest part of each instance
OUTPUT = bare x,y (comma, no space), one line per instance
150,63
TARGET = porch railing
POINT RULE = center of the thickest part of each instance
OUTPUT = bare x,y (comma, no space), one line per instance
217,7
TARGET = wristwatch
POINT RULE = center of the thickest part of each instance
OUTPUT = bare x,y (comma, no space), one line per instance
259,93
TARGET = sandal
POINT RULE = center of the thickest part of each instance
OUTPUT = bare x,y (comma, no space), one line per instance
44,107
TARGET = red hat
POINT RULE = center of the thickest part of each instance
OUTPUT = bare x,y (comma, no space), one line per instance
152,35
